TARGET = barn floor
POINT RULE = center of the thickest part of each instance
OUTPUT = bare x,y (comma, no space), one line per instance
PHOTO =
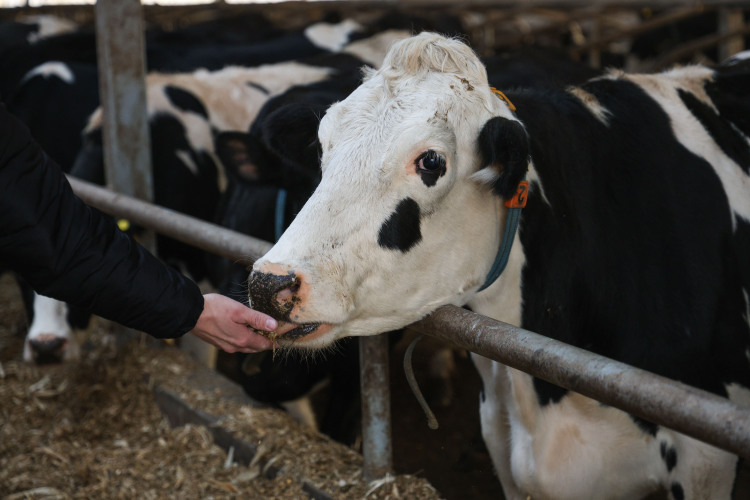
92,429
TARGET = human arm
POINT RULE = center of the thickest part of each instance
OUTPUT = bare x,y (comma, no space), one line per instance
227,324
72,252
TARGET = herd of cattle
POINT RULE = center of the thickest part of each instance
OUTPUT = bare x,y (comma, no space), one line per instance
378,161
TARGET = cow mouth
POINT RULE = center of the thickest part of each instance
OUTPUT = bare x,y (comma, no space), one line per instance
300,331
289,331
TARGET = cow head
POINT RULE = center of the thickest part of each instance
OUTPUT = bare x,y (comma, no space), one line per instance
408,215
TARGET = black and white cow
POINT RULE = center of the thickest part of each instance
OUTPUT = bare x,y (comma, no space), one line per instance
54,100
273,169
633,244
185,111
50,83
322,37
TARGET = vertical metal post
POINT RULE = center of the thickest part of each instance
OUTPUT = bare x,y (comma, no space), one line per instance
731,19
121,59
595,52
376,407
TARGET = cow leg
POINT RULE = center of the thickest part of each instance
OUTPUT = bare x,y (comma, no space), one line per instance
301,410
575,448
50,338
494,421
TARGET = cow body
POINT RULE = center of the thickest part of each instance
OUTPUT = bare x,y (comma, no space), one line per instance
633,245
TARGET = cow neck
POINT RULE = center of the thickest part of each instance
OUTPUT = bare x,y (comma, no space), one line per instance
515,205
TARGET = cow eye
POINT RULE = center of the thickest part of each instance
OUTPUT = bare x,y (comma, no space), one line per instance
430,161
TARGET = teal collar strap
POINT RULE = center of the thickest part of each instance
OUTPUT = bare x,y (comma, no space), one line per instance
515,206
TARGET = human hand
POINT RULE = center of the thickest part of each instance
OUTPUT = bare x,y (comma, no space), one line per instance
228,325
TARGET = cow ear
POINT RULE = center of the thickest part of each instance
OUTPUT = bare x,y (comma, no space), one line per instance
504,149
236,152
291,132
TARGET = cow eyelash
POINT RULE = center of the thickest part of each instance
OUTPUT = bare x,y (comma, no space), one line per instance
430,161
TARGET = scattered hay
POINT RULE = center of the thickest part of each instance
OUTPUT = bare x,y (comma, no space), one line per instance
92,429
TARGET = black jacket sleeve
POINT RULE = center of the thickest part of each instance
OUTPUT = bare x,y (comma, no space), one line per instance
72,252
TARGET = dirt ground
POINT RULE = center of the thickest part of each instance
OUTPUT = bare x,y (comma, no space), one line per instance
91,429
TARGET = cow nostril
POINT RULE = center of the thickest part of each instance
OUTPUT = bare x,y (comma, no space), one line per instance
272,293
288,293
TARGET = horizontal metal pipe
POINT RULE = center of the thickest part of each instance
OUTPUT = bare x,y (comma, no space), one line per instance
204,235
694,412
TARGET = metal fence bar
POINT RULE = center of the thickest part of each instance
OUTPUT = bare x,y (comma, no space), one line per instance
206,236
694,412
120,49
376,407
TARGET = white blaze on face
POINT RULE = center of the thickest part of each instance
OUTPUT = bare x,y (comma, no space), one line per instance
397,226
50,324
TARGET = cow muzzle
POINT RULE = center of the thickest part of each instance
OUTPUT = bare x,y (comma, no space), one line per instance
274,294
281,295
46,349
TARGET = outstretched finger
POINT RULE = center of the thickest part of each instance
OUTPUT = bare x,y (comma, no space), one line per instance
259,321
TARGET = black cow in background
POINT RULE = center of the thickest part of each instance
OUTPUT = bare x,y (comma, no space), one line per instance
54,100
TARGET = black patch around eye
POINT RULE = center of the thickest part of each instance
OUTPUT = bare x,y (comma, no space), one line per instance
401,231
184,100
430,167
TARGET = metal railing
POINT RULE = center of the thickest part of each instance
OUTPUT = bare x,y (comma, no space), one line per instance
696,413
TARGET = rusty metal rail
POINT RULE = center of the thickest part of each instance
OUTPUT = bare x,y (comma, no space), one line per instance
694,412
377,449
195,232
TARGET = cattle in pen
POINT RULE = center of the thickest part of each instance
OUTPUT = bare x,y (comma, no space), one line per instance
633,243
185,112
273,169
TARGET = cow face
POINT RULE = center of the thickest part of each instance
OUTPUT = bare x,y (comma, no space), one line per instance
407,216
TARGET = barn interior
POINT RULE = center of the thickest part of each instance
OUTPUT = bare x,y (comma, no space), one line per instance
134,418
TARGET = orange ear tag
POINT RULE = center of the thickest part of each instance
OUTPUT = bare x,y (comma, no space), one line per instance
519,199
503,97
